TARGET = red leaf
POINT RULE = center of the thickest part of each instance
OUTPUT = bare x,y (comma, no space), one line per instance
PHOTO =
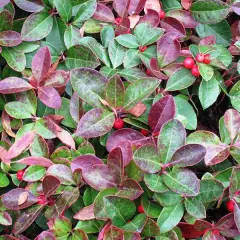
44,162
45,236
152,17
156,69
136,6
209,40
86,213
76,108
103,13
50,185
20,145
10,38
14,85
50,97
186,4
121,7
41,64
225,222
152,4
161,112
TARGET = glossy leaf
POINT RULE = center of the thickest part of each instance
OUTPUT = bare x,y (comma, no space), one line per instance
34,173
50,185
103,13
30,6
64,9
10,38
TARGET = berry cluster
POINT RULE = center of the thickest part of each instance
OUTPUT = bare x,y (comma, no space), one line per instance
189,63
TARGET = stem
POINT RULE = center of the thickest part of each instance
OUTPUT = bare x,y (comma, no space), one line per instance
227,71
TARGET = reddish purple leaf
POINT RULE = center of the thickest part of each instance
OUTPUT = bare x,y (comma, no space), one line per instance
10,199
104,13
121,7
45,236
136,6
209,40
184,17
168,50
123,28
115,163
76,108
50,185
236,8
173,26
186,4
30,5
213,235
156,69
41,64
50,97
44,162
225,222
86,213
152,17
237,215
113,232
14,85
188,155
3,3
84,162
161,112
3,154
101,233
56,79
10,38
232,122
99,177
20,145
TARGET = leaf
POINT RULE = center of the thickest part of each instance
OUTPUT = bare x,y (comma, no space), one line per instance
22,198
195,208
71,36
50,185
234,182
61,226
89,84
209,11
39,147
237,215
99,177
206,71
5,219
182,181
113,233
151,228
138,91
44,162
153,34
10,38
188,155
181,79
103,13
86,213
18,110
4,3
147,159
4,181
64,8
208,92
116,53
37,26
14,85
210,190
6,20
155,183
45,236
234,96
170,217
166,5
95,123
221,31
34,173
41,64
127,40
30,6
85,11
15,60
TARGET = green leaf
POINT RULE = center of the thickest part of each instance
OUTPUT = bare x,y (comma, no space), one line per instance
4,181
170,5
116,53
172,136
221,31
72,36
37,26
61,226
155,183
151,229
235,182
168,198
80,56
131,59
206,71
182,181
64,8
136,224
210,190
29,99
39,147
224,134
107,35
195,208
151,208
132,74
235,96
15,60
181,79
170,217
34,173
146,34
6,20
85,11
147,159
18,110
127,40
92,26
209,11
208,92
138,91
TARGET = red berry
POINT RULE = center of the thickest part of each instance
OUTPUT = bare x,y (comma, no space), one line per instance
228,83
118,20
195,71
144,132
41,200
118,124
140,209
20,175
162,14
230,205
206,59
200,57
142,49
149,72
188,63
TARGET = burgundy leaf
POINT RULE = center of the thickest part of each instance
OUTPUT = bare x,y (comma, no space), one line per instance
237,215
10,199
3,3
186,4
10,38
50,97
236,7
86,213
123,28
99,177
168,50
136,6
103,13
56,79
161,112
115,163
50,185
3,154
41,64
14,85
152,17
121,7
20,145
156,69
6,122
45,236
225,222
44,162
188,155
209,40
232,122
30,5
173,26
76,108
84,162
